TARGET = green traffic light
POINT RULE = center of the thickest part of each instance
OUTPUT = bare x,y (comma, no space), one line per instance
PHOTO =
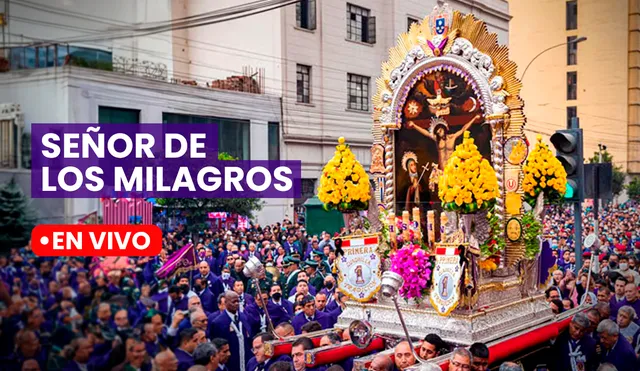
569,192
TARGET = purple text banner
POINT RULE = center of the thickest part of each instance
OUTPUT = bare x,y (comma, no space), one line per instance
149,160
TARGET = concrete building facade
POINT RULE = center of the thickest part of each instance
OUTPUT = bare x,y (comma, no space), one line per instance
596,80
323,63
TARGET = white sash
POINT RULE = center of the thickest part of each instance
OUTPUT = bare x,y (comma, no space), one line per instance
577,358
240,336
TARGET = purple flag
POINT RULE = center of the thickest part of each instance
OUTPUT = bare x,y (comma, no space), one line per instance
180,261
547,262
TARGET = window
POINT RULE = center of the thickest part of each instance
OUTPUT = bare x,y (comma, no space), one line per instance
274,141
572,50
360,25
358,87
572,15
49,56
572,113
410,22
115,115
306,14
233,135
572,85
303,81
9,135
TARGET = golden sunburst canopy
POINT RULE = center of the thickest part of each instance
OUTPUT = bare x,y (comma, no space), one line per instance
465,27
461,47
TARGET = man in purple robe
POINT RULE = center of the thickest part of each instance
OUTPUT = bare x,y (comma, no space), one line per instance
189,340
257,317
573,349
309,313
615,349
234,327
631,298
276,298
617,300
179,301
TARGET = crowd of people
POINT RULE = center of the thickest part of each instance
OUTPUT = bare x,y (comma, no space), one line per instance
86,314
607,282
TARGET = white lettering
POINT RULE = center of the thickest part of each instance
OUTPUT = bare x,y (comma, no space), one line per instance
45,181
58,240
69,145
169,138
144,143
211,179
47,142
286,182
147,241
121,179
195,145
233,175
98,183
183,179
63,183
97,244
267,178
112,149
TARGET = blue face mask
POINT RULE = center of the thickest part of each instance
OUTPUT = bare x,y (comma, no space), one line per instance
226,276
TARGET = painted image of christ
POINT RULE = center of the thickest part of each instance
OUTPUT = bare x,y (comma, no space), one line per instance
439,108
439,133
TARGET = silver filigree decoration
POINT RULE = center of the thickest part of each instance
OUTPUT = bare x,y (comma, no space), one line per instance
498,96
386,96
397,75
479,60
388,186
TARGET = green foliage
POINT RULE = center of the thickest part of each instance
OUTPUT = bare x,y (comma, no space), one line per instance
198,208
633,189
532,228
17,219
96,65
617,182
495,243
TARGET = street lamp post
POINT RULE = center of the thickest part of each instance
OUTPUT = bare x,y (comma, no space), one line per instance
574,41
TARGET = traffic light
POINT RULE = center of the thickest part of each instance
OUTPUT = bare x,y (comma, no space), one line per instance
568,144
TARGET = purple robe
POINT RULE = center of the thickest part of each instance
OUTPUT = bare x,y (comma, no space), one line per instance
621,355
185,360
584,352
222,328
301,319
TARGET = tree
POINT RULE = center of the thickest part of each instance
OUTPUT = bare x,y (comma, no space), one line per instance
17,219
633,189
199,208
617,181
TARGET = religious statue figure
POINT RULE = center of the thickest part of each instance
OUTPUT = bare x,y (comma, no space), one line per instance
410,165
439,132
445,292
359,277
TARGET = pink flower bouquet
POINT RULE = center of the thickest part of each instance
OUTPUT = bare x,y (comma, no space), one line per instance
414,265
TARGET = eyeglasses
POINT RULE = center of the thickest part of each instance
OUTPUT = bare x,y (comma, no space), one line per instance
257,349
460,365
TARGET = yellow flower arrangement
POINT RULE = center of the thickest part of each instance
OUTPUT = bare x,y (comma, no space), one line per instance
468,183
543,172
487,265
344,184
